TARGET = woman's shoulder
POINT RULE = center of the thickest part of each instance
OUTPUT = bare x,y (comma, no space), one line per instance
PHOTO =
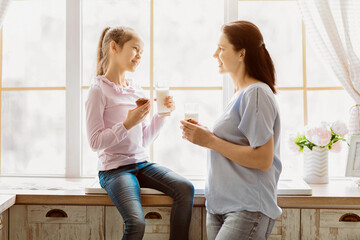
256,89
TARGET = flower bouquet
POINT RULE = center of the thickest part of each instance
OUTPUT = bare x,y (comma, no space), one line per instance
316,143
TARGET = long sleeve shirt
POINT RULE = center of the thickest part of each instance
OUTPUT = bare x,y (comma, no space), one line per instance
106,108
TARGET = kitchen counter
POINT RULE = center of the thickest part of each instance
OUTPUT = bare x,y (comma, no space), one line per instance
342,193
6,201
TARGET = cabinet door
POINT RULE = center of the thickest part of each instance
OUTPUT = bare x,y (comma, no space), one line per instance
286,227
157,220
329,224
4,225
56,222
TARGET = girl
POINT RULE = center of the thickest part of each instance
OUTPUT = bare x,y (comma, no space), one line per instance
118,131
244,161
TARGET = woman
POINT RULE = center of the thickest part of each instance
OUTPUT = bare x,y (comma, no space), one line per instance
117,130
244,164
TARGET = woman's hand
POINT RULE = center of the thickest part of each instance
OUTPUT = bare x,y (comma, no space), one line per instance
197,134
136,115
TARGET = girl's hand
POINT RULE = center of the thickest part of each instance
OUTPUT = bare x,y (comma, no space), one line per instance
169,103
136,115
196,133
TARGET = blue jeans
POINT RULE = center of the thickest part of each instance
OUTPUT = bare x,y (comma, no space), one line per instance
123,186
238,226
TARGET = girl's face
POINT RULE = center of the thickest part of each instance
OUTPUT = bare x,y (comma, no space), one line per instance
129,56
229,59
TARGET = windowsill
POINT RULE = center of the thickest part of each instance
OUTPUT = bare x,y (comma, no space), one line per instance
340,193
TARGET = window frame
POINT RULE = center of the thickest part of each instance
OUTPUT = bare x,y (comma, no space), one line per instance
74,87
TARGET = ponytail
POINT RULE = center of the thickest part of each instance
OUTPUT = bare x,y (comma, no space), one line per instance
101,61
258,63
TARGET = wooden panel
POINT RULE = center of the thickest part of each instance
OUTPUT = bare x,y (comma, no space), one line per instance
310,222
330,218
114,223
204,225
155,229
274,237
18,222
95,218
339,234
75,214
72,231
195,232
4,225
277,229
290,220
27,222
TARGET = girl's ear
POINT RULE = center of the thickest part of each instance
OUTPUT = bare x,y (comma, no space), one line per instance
113,47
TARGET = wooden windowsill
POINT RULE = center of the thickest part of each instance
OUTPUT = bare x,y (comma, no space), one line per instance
337,194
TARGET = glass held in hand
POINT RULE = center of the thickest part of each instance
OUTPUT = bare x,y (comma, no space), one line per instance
161,94
191,111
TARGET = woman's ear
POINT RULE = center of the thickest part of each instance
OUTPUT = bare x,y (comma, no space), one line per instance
242,54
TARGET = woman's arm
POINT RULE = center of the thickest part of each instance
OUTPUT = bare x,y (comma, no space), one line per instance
246,156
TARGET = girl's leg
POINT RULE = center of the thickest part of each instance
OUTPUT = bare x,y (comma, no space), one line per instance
245,225
213,225
124,190
179,188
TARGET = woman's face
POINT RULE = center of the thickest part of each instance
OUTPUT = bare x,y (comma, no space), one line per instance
228,58
129,56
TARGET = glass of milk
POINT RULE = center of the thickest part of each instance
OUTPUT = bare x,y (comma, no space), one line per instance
161,94
191,111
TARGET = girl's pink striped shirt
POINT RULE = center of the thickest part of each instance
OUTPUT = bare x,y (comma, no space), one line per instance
106,108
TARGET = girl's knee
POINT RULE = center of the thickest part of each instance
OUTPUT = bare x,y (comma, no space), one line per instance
186,188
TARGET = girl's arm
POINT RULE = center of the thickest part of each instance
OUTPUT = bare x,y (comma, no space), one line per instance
151,131
100,137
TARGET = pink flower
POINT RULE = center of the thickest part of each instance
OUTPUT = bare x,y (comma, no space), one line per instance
336,147
291,143
319,136
339,128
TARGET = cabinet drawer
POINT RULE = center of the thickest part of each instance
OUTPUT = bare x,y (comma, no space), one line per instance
339,218
157,220
56,214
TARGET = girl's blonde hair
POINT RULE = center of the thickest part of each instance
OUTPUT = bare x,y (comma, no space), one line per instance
120,35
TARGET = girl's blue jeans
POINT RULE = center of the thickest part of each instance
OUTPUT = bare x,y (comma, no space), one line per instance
123,186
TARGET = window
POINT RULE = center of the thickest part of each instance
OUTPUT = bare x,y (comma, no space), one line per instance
49,62
305,85
32,84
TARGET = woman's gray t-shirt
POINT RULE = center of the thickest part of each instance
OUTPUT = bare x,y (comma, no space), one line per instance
250,119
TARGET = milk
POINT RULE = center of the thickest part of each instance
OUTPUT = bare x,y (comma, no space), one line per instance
194,116
161,94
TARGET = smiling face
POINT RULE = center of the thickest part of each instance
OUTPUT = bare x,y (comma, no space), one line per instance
229,59
129,56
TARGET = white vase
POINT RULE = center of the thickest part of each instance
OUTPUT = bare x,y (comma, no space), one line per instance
316,165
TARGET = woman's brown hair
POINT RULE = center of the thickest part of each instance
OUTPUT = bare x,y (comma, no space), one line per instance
258,63
120,35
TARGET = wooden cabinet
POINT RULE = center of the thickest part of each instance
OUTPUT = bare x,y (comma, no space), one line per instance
330,224
287,226
4,225
56,222
157,223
